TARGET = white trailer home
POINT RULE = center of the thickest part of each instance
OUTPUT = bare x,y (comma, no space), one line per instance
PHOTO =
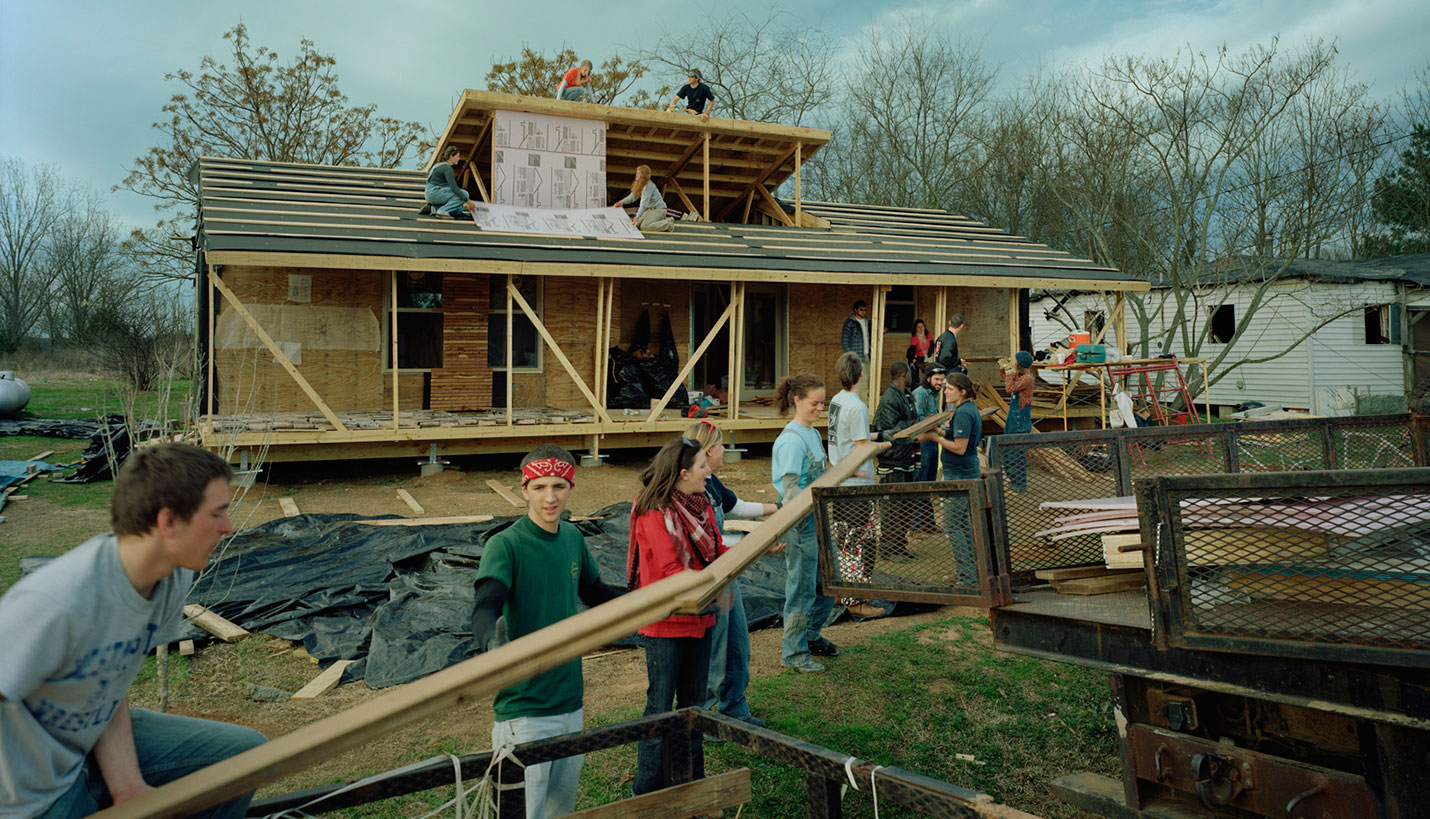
1330,337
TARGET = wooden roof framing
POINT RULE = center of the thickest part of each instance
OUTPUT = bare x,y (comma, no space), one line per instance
285,214
671,144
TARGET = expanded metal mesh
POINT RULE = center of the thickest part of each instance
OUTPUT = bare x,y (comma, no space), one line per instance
1043,473
904,541
1345,564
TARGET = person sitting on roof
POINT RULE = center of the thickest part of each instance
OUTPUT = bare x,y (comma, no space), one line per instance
445,198
696,94
651,215
575,82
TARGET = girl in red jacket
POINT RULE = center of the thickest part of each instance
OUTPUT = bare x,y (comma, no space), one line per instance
672,530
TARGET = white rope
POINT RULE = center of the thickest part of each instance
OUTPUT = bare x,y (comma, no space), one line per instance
873,784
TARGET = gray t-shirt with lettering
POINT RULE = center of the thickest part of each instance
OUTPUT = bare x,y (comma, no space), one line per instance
72,638
848,425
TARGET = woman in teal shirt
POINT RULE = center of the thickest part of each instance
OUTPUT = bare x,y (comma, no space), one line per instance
958,453
796,460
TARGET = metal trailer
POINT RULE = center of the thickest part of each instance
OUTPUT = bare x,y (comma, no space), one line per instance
1277,662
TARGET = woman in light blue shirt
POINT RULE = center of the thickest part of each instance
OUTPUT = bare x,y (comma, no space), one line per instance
650,215
797,460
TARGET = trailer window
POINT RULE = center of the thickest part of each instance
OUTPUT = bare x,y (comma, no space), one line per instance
1223,321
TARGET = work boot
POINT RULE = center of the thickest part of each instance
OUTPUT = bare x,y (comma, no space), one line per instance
823,648
804,666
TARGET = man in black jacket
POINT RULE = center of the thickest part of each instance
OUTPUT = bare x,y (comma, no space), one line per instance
945,347
898,463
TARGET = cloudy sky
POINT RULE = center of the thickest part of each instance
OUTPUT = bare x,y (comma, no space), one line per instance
81,80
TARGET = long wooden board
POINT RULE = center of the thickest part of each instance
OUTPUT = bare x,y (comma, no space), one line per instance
920,427
214,624
505,493
482,675
324,682
699,797
1101,585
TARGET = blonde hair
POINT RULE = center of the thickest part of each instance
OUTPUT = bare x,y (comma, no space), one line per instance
704,433
642,177
585,64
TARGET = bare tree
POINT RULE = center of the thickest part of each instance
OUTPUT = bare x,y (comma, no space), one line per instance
257,108
534,74
905,131
89,268
761,69
31,200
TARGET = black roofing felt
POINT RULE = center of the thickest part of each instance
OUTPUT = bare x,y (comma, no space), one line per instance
279,207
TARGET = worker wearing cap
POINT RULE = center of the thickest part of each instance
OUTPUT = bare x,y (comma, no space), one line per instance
695,94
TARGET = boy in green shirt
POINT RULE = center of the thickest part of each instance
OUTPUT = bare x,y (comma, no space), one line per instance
531,575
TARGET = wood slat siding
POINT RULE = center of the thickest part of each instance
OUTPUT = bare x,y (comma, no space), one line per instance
464,381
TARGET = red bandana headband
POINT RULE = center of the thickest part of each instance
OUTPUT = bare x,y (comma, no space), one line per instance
548,468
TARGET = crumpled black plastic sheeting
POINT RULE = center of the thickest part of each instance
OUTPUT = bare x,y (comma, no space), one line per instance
396,599
107,451
76,428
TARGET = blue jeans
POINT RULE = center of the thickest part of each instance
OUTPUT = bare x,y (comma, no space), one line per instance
730,660
806,607
677,668
169,747
958,526
1015,462
574,93
443,200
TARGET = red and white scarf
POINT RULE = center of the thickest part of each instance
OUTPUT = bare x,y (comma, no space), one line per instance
690,522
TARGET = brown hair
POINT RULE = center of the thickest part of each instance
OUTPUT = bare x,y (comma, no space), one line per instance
642,177
548,451
961,381
704,433
795,386
849,368
658,480
164,476
451,149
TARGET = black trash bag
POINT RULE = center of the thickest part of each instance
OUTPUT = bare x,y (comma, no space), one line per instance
640,340
624,388
111,436
659,371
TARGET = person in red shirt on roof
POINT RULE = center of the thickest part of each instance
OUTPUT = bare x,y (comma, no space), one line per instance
574,82
673,530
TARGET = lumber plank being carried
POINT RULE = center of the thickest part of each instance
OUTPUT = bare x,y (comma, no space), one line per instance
214,624
918,428
698,797
483,675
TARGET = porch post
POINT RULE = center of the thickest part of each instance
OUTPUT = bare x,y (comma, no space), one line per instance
393,308
510,288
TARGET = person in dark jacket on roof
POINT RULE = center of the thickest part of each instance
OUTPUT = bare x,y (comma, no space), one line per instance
445,198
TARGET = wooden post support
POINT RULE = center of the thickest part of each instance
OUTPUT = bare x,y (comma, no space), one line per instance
730,357
685,200
481,676
513,293
690,364
1119,321
738,328
705,149
396,423
1013,335
510,288
277,352
798,209
212,311
773,206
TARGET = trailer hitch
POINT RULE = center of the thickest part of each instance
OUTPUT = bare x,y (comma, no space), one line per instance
1218,779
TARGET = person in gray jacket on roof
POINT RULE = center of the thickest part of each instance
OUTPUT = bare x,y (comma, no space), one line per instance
650,215
445,198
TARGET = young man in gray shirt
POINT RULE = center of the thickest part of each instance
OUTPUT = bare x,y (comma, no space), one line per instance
74,634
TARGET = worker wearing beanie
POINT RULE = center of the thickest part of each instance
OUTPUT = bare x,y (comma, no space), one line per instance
1018,380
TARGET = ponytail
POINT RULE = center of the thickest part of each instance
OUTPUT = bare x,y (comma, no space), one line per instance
795,386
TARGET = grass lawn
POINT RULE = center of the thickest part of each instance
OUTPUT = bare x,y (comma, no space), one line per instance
87,398
911,698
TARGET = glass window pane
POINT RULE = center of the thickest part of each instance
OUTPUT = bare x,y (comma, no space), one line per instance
528,286
524,342
419,341
419,289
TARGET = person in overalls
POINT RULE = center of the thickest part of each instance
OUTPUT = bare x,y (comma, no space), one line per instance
1019,383
958,443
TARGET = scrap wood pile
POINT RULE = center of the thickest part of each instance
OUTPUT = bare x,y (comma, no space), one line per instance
1052,460
1113,520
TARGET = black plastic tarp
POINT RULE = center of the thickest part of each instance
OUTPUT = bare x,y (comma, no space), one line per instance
397,599
76,428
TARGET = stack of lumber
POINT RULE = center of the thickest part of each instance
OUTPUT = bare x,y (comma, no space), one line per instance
1086,580
1114,519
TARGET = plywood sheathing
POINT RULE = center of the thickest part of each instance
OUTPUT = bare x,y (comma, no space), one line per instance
335,336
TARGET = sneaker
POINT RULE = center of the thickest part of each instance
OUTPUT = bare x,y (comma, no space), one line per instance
426,211
866,610
823,648
805,666
441,214
753,720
